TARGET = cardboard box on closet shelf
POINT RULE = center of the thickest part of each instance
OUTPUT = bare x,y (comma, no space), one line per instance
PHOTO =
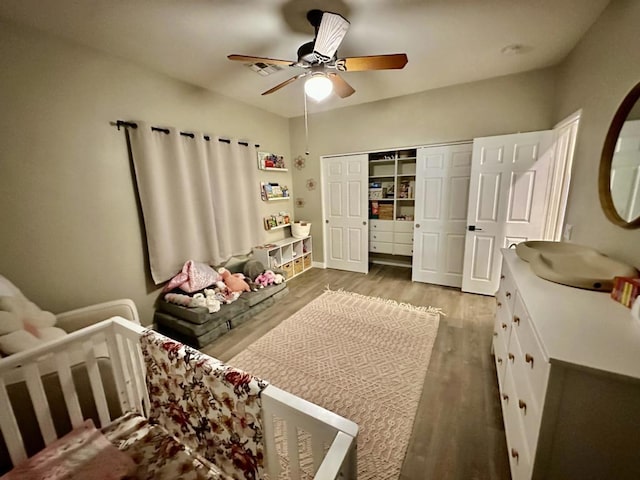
385,212
625,290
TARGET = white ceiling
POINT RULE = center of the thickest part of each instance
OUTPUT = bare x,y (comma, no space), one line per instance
447,41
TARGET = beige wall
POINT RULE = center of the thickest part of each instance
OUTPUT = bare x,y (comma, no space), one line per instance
596,76
514,103
71,233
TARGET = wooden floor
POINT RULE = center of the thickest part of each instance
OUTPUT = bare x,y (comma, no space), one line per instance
458,432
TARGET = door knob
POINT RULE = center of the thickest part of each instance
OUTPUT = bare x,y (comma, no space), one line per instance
473,228
364,223
326,221
417,225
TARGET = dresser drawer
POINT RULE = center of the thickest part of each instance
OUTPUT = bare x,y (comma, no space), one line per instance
400,249
528,408
536,366
403,226
381,225
381,247
503,323
518,452
405,238
500,358
507,290
375,236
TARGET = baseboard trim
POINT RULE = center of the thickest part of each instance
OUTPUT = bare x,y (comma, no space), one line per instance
318,265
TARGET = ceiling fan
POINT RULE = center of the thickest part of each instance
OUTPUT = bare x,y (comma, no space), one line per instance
319,59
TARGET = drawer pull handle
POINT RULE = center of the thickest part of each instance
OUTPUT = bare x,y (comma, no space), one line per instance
523,406
516,320
501,277
499,304
505,397
529,359
504,326
508,294
515,454
495,334
511,356
499,360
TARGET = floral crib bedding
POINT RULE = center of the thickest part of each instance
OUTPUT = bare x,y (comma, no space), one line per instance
204,423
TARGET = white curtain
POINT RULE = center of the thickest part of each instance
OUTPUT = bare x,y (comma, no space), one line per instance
200,198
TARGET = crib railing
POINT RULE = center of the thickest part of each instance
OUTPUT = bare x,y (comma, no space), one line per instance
116,338
309,441
330,439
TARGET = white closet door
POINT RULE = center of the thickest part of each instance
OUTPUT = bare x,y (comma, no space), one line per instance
442,197
508,198
346,230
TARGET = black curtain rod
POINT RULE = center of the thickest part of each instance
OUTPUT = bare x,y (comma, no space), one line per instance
122,123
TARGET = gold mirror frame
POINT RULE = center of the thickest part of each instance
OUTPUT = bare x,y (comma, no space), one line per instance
604,176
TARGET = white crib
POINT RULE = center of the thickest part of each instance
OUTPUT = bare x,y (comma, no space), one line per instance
332,438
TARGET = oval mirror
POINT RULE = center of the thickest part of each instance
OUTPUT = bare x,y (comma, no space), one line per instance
619,176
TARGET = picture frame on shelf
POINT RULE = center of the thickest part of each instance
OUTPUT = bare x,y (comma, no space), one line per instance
271,161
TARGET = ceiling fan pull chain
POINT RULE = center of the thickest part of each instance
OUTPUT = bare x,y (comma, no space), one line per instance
306,125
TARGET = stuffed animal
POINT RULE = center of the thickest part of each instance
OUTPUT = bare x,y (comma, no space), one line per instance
252,269
209,300
269,278
23,325
234,281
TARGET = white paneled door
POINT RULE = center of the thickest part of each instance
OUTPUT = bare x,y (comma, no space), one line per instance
508,198
442,197
346,231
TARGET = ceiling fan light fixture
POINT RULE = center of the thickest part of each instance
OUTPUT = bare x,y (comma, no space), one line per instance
318,86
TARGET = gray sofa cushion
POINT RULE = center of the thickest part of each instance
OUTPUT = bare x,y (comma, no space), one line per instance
253,298
200,315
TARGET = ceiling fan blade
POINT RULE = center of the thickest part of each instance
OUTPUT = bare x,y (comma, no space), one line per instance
270,61
373,62
283,84
340,86
332,30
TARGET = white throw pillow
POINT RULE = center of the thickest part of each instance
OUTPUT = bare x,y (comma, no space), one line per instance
22,340
18,341
8,289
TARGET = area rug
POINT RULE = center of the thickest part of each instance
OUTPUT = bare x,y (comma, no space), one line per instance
361,357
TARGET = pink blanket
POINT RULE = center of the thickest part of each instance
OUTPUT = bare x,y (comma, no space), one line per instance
84,453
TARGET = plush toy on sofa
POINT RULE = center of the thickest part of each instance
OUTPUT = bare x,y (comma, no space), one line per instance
23,325
269,278
234,281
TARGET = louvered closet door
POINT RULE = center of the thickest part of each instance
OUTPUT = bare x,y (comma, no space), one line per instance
508,201
442,195
346,230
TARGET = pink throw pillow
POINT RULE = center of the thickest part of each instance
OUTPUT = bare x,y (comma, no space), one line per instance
193,277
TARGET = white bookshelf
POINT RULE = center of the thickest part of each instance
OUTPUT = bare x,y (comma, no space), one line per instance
293,255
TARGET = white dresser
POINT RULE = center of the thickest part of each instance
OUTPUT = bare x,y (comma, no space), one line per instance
568,365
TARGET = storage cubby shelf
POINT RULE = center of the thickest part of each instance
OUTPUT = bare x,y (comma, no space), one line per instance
391,217
292,255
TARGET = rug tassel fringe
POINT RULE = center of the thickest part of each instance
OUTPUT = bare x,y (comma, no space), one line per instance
388,301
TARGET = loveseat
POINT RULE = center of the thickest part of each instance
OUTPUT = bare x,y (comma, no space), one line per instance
196,327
